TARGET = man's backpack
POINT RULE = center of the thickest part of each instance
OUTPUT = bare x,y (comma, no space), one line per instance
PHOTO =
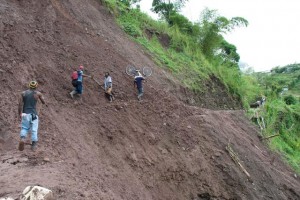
74,75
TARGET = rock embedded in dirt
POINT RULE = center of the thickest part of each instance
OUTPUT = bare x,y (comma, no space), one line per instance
46,159
218,154
37,193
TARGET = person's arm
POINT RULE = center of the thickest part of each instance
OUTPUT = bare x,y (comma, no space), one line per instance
84,75
41,97
20,105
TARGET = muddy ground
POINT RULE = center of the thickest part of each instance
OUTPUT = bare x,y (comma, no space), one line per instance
165,147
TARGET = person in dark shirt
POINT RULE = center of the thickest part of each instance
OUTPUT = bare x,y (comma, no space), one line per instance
138,82
28,113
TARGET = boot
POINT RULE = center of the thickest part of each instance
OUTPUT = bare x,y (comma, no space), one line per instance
33,145
139,97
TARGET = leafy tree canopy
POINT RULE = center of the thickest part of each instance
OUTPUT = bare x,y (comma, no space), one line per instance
212,25
167,7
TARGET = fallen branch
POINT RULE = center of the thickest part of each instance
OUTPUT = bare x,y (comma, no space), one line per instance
236,159
271,136
275,135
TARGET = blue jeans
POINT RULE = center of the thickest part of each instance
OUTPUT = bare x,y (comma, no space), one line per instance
140,92
79,87
30,125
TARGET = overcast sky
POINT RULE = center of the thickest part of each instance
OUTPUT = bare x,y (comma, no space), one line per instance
272,37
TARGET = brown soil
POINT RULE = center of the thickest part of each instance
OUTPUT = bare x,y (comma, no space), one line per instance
160,148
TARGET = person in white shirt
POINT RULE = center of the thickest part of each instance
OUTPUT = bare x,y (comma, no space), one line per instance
108,87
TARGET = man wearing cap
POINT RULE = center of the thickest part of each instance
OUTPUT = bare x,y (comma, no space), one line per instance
79,88
139,84
28,113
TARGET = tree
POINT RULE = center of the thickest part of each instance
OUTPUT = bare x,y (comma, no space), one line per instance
165,8
228,51
212,26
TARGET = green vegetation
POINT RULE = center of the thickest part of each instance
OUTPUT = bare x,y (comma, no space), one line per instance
282,112
284,119
195,51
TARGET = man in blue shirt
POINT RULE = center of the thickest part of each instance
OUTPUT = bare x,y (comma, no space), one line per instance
138,82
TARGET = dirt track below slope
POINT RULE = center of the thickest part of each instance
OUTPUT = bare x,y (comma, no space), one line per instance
159,148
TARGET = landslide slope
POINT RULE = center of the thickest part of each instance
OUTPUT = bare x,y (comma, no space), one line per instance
160,148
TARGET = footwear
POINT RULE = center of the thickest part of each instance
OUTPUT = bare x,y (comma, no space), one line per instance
139,98
33,145
72,95
21,145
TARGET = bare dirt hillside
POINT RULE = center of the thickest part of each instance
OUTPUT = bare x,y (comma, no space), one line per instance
160,148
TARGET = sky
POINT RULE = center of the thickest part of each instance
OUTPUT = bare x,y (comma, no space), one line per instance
272,37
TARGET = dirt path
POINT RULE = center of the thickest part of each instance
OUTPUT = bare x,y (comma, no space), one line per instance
160,148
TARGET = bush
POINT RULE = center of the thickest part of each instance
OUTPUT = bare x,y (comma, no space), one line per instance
290,100
131,29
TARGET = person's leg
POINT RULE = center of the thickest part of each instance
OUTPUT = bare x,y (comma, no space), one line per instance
25,127
34,129
73,93
107,96
140,93
109,93
79,90
34,132
76,89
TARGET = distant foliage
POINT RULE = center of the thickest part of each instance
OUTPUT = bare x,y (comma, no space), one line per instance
286,69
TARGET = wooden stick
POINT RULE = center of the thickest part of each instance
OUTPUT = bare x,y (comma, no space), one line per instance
236,159
97,82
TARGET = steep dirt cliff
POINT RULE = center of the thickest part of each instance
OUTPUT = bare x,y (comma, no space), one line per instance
160,148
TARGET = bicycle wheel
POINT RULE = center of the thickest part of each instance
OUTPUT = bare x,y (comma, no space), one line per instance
147,71
130,70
